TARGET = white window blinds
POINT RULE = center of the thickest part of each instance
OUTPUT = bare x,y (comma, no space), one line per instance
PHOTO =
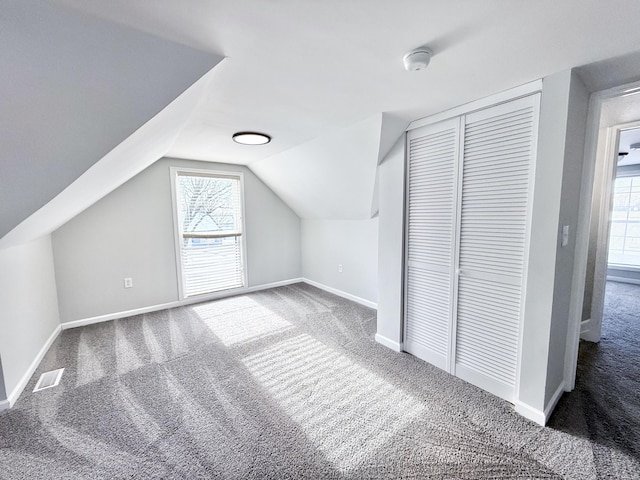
210,233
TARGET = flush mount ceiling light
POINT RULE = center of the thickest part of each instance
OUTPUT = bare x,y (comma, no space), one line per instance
251,138
417,59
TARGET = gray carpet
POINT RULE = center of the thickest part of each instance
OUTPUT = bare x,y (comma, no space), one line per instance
605,406
284,383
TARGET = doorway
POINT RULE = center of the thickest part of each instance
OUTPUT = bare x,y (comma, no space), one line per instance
606,313
614,249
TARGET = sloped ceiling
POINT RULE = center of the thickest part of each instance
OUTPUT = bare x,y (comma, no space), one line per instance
319,77
331,176
74,87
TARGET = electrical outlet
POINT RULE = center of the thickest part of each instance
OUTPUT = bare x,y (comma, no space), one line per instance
339,268
128,282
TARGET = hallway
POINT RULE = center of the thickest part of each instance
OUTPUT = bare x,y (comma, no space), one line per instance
605,405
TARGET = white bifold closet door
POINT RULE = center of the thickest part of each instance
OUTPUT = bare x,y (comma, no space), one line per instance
499,149
467,239
433,153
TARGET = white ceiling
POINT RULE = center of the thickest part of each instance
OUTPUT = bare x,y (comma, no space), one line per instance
301,69
313,75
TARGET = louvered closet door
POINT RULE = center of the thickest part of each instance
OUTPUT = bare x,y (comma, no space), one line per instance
432,196
499,149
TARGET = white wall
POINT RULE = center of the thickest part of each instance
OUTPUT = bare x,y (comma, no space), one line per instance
3,395
130,233
342,162
569,208
28,309
544,242
352,243
391,246
555,200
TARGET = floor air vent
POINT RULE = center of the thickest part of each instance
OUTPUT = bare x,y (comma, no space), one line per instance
49,379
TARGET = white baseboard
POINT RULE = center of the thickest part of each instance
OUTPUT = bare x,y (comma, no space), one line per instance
113,316
531,413
177,303
387,342
611,278
340,293
539,416
553,401
4,405
267,286
15,393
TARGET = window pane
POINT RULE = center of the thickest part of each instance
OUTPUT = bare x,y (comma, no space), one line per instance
616,244
209,204
620,200
633,229
210,214
619,214
634,215
624,241
623,182
618,229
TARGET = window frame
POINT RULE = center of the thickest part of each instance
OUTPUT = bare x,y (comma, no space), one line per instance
175,172
635,173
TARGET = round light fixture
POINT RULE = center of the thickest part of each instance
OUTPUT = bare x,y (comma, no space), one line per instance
417,59
251,138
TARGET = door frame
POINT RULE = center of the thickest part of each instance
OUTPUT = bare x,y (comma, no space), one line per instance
595,160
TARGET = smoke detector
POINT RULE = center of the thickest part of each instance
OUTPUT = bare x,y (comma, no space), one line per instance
417,59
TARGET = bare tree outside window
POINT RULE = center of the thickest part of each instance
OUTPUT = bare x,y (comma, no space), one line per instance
210,215
207,204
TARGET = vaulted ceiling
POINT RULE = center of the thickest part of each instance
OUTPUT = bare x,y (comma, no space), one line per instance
325,79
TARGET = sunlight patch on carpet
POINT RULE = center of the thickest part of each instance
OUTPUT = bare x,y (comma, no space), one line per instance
346,411
250,321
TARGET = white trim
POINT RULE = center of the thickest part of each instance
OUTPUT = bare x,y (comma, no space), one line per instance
635,281
387,342
495,99
584,223
538,416
177,303
113,316
17,391
457,227
533,414
533,167
553,401
624,268
340,293
606,167
4,405
173,176
585,325
174,173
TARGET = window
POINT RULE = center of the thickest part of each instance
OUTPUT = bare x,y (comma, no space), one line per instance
209,231
624,241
